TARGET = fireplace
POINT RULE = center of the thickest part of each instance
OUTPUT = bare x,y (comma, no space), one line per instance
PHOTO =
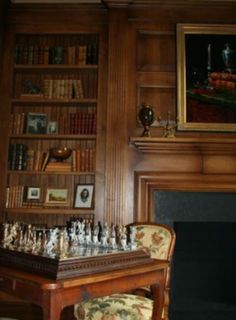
203,275
205,224
201,209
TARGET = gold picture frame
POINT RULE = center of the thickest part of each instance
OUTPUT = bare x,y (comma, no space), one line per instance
206,77
57,197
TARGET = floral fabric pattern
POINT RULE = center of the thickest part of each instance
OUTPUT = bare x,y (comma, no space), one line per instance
157,241
115,307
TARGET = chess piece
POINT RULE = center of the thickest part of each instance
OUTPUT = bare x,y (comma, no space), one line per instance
132,237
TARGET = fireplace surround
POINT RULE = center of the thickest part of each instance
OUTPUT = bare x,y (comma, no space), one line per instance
192,166
148,182
202,238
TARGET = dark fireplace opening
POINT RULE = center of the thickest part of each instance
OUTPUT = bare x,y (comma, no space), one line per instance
203,278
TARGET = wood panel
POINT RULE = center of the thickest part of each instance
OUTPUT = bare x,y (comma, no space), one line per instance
118,91
151,53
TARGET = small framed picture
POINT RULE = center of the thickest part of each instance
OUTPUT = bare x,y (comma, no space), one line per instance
36,123
84,196
52,127
57,197
33,193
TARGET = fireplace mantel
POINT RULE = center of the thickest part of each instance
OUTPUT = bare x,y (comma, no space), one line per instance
177,145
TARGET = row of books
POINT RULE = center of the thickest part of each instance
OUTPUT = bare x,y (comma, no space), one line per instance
17,156
64,86
22,158
81,122
77,54
15,196
62,89
77,123
83,160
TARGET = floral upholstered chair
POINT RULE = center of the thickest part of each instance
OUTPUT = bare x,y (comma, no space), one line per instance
159,240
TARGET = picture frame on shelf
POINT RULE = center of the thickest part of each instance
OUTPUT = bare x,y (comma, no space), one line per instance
36,123
52,127
84,196
33,193
206,77
57,197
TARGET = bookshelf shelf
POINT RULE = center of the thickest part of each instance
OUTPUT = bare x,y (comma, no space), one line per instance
71,173
30,101
54,136
46,210
44,67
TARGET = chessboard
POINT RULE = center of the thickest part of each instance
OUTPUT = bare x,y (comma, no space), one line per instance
75,250
60,268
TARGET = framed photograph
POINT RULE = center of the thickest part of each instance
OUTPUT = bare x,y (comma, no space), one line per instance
84,196
206,77
52,127
36,123
33,193
57,197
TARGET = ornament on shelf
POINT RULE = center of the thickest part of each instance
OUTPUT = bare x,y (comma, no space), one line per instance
146,117
168,125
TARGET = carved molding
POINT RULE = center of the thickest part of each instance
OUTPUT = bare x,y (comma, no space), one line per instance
215,146
148,182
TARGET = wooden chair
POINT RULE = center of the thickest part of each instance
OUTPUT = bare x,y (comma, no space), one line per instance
159,240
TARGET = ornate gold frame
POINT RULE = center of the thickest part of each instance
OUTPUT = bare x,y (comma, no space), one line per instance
196,29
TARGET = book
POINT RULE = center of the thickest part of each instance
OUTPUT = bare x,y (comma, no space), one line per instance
59,166
45,160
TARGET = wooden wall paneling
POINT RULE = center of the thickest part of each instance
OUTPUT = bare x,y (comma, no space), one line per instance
5,93
4,5
156,82
155,69
184,12
64,15
220,164
117,192
101,127
150,47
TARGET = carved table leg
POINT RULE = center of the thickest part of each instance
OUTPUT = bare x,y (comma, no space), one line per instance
158,298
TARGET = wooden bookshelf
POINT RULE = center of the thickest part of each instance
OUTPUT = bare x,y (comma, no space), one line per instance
58,91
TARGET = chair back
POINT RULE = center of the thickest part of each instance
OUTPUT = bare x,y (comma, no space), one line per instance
158,239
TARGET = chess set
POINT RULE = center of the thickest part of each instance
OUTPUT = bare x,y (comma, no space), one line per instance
78,249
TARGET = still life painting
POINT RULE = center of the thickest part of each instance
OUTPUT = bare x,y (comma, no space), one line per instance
206,77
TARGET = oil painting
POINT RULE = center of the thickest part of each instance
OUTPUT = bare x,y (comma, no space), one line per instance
206,77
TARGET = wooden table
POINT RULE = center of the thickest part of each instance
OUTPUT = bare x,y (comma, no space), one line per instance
54,295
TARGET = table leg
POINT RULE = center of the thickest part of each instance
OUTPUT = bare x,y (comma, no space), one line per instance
52,306
158,298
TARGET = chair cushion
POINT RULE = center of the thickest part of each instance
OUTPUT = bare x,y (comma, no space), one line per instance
115,307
